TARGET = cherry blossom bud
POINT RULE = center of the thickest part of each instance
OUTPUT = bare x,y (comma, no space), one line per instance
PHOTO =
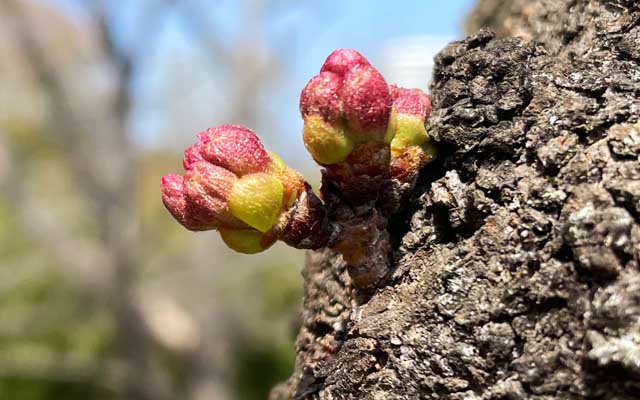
348,103
234,185
411,146
235,148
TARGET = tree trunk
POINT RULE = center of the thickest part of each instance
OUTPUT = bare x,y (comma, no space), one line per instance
517,259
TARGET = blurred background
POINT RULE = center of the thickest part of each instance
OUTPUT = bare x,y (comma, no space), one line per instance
102,294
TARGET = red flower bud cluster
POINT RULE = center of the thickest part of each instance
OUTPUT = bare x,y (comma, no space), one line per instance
362,130
369,136
232,184
350,94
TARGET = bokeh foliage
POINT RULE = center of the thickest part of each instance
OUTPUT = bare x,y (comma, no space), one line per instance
207,323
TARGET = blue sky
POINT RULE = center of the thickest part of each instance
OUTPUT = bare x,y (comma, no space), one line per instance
300,34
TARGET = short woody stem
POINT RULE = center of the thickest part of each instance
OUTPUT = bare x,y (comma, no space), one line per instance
365,246
308,224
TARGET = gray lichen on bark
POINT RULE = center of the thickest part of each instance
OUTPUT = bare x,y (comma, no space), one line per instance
516,266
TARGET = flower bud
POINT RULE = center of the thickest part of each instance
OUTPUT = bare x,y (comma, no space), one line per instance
328,143
249,195
207,188
340,61
247,241
346,111
256,199
174,200
348,103
410,144
235,148
321,97
366,101
292,181
192,155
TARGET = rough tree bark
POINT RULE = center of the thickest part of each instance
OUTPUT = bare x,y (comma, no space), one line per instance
517,261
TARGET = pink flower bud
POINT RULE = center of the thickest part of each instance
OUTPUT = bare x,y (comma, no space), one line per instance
173,196
347,103
321,97
192,155
235,148
207,188
367,100
176,203
411,102
232,184
410,144
340,61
